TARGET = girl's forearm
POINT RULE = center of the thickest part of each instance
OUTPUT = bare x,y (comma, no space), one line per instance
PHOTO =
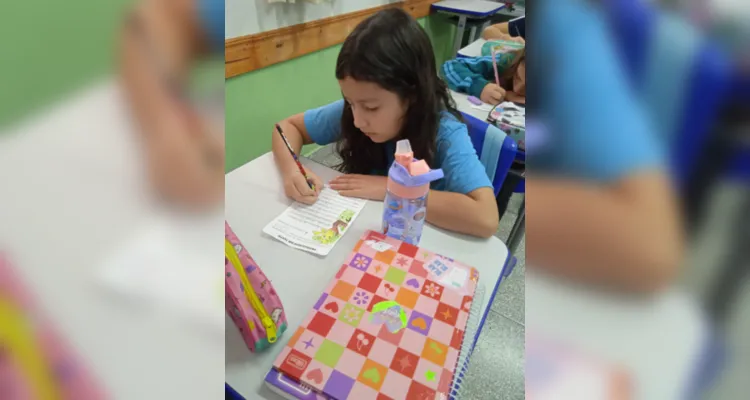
496,31
460,213
155,52
602,235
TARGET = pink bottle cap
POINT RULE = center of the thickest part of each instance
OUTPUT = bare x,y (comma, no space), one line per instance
419,168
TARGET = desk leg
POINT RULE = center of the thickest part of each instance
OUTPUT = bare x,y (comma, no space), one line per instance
472,34
734,271
516,233
459,34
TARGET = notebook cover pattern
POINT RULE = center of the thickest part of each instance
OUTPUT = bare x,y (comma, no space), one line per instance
389,326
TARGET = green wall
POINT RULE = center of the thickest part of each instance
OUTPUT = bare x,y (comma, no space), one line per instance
51,48
257,100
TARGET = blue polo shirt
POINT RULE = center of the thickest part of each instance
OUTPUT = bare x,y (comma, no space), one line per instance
212,18
596,127
455,153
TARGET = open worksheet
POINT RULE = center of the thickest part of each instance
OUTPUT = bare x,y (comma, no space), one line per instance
316,228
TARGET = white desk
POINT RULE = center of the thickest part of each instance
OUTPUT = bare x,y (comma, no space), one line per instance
70,190
465,9
472,50
254,196
660,340
463,105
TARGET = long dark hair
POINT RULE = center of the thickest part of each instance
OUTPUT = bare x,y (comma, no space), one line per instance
392,50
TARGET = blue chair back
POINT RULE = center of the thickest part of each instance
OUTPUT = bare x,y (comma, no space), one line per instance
682,78
739,166
495,149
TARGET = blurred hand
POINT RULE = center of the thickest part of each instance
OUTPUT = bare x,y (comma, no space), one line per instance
360,186
492,94
186,161
515,97
517,39
298,189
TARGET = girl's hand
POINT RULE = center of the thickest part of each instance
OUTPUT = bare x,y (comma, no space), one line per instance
517,39
297,188
492,94
360,186
185,161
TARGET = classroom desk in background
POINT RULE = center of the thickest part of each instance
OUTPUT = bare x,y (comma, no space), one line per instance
258,183
467,9
463,105
517,11
474,49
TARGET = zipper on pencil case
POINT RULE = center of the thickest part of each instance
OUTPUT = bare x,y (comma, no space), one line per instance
16,332
252,297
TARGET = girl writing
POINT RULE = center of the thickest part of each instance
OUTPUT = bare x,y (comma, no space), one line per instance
388,78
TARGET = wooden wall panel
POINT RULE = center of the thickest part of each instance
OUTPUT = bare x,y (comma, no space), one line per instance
249,53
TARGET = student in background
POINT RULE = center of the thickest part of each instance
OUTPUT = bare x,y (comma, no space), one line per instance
513,30
476,77
160,41
387,74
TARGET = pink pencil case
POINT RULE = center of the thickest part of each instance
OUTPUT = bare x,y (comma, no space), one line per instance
35,362
251,300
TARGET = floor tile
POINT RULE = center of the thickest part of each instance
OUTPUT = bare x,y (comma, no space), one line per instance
496,370
733,382
699,277
509,300
710,245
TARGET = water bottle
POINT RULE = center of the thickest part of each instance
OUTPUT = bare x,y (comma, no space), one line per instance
405,207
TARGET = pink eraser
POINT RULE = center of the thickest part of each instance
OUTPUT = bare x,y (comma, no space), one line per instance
475,100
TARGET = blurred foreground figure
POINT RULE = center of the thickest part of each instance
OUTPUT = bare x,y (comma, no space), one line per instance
183,151
600,204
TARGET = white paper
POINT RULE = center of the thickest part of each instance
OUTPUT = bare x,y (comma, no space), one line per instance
316,228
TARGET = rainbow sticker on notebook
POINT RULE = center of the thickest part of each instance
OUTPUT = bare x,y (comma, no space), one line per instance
389,326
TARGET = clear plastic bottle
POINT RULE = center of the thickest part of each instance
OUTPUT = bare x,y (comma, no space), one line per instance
405,208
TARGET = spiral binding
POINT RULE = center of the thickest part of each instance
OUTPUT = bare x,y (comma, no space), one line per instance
467,343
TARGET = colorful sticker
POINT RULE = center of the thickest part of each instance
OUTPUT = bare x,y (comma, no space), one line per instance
437,267
378,246
455,279
389,313
332,234
429,375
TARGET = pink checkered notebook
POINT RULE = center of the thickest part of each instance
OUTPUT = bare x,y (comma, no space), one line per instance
389,325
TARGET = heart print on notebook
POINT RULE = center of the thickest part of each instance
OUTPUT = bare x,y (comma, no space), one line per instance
388,326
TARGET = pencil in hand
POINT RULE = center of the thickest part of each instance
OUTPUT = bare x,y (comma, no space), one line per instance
296,159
